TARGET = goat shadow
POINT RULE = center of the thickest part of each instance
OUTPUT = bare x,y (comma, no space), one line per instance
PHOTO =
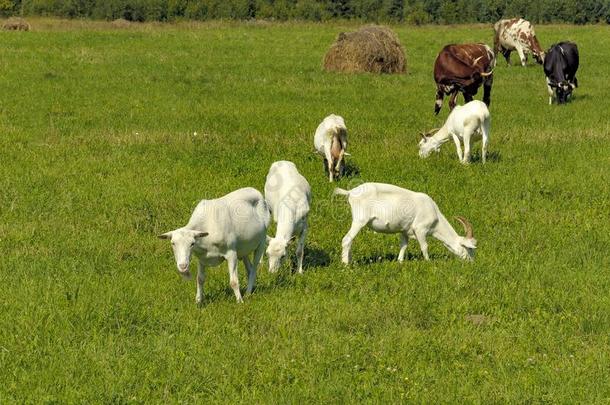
349,169
393,257
492,156
313,258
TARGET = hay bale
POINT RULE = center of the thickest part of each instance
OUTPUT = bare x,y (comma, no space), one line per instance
120,23
16,24
372,48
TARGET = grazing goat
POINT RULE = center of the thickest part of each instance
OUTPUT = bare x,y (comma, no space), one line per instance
386,208
288,196
227,228
330,141
466,123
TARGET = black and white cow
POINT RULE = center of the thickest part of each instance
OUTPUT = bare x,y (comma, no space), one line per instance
560,66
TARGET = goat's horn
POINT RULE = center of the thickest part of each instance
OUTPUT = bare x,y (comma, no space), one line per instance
433,131
485,74
467,226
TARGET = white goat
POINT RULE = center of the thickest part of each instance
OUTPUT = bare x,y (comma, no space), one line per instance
390,209
227,228
468,123
288,196
330,141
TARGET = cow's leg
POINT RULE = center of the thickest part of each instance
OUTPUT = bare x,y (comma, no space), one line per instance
521,56
551,94
231,258
438,104
403,247
346,243
487,83
458,146
452,100
200,282
506,54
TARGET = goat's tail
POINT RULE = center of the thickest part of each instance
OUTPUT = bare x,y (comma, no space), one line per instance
340,191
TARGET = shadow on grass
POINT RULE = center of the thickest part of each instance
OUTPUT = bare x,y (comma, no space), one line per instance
284,278
351,170
393,257
313,258
493,156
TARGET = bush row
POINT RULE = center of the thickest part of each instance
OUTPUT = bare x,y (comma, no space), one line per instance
410,11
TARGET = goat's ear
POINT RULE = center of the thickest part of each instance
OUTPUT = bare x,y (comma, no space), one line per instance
423,136
200,234
470,243
166,235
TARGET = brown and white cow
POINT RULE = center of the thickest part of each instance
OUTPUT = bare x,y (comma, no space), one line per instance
517,34
463,68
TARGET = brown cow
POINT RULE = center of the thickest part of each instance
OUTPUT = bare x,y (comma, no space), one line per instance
463,68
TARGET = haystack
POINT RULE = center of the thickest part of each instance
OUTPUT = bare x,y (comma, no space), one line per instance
372,48
16,24
120,23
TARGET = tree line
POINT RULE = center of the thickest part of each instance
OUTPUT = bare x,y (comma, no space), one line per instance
409,11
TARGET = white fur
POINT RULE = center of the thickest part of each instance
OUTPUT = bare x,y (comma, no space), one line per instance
390,209
227,228
465,123
331,129
288,196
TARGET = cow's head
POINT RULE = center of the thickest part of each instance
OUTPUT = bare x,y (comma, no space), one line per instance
563,90
428,144
539,57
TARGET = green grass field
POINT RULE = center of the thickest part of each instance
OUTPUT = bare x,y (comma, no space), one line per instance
98,155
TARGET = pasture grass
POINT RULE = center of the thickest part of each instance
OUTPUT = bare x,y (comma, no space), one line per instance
109,137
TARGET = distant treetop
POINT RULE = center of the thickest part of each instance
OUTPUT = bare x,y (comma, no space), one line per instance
409,11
